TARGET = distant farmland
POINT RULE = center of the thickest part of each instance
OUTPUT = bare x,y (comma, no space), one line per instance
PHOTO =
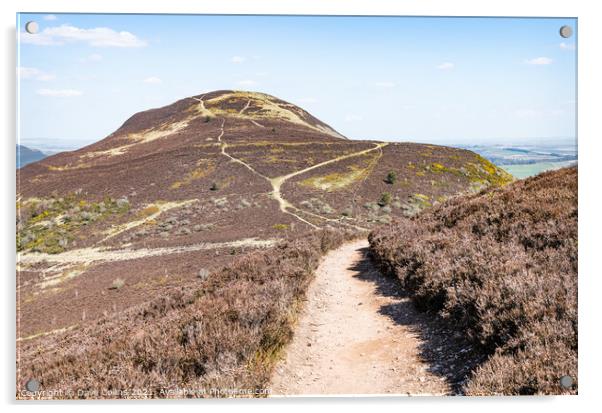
529,159
527,170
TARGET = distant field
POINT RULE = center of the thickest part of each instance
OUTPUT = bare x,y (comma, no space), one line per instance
525,171
529,158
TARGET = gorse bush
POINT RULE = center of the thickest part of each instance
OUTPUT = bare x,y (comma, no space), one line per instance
391,177
500,266
385,199
225,334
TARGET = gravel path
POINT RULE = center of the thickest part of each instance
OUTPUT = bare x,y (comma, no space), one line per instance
357,335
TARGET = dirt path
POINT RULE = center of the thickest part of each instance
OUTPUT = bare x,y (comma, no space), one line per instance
276,183
246,107
99,254
358,334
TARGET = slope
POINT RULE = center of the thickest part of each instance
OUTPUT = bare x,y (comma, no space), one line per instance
500,267
186,188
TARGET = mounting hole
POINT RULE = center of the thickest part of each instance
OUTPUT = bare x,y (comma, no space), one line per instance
32,27
32,385
566,31
566,382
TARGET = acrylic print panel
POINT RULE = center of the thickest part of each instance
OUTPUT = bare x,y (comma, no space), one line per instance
258,206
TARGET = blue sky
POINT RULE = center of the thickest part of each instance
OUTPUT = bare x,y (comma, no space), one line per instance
441,80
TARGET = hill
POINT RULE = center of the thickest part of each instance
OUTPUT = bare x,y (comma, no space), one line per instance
27,155
501,267
181,190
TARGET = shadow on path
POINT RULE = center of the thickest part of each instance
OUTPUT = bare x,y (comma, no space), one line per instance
446,351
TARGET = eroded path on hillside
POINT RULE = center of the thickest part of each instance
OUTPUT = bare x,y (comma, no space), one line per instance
357,334
277,182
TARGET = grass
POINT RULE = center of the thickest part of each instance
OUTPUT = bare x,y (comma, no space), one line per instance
50,225
204,168
262,107
338,180
526,171
148,211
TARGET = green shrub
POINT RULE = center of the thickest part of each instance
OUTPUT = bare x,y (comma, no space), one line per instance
385,199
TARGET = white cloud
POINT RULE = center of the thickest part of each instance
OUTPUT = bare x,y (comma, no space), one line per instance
446,66
237,59
152,79
385,84
62,93
353,118
38,39
97,37
247,83
50,17
567,46
33,73
539,61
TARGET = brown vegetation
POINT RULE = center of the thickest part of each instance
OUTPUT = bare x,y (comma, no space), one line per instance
169,179
500,266
224,335
196,174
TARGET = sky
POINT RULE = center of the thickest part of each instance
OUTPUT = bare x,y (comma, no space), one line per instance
424,79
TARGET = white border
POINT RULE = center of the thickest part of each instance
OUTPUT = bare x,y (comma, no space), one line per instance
590,92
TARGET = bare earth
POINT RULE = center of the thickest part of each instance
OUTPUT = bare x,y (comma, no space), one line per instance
350,339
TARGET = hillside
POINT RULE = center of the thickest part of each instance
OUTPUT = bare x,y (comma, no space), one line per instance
501,267
183,189
27,155
177,195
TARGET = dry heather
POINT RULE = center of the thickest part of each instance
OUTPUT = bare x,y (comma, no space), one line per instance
500,266
226,335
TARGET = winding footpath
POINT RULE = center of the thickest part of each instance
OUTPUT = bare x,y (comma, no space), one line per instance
277,182
347,342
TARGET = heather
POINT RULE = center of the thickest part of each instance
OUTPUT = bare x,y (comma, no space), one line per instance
501,267
224,335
